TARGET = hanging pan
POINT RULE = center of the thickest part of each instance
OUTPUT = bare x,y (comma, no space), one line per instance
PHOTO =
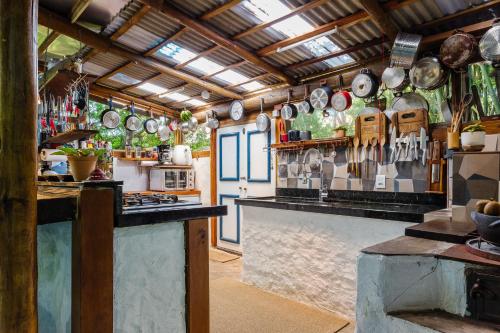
321,97
132,122
365,84
110,118
305,106
458,49
489,47
263,122
395,78
151,125
289,111
428,73
341,100
164,130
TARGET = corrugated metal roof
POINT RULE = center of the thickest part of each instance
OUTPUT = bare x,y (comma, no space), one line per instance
154,27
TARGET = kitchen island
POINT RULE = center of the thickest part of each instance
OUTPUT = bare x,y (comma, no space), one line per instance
306,250
150,266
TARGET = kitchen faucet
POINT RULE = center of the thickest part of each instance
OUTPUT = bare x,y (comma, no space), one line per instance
323,191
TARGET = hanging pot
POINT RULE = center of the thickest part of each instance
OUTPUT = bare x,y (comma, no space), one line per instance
395,78
489,45
365,84
428,73
192,123
289,111
341,100
305,106
212,121
409,101
405,50
164,132
321,97
151,125
132,122
458,49
263,122
110,118
184,127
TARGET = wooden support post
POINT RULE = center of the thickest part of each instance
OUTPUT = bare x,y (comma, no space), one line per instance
18,205
92,267
197,276
213,184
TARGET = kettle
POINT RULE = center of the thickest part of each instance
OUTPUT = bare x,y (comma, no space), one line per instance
182,155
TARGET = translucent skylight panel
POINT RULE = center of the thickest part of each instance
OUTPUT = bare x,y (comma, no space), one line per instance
195,102
293,26
178,97
123,78
205,66
323,45
231,76
152,88
177,53
338,61
251,86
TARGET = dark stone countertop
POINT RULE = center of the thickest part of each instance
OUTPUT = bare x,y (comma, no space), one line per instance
378,210
152,216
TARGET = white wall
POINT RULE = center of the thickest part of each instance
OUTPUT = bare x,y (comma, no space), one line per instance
134,179
201,167
309,257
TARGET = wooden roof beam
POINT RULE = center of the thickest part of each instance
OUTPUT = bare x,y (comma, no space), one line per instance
51,37
219,10
132,86
207,32
345,21
114,71
131,22
105,92
91,39
379,16
295,11
78,8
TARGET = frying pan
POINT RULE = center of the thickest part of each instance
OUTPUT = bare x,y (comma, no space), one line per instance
263,122
132,122
110,118
151,125
341,100
395,78
320,97
289,111
365,84
305,106
427,73
458,49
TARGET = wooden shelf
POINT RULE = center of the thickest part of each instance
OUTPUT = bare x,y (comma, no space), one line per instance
312,143
138,159
172,166
69,136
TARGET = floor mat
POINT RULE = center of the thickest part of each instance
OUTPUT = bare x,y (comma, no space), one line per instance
221,256
239,308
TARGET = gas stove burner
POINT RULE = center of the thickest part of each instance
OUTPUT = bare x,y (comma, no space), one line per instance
144,201
482,248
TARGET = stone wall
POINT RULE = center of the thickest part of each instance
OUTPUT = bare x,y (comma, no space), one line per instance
309,257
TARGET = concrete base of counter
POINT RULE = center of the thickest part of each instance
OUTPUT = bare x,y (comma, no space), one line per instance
309,257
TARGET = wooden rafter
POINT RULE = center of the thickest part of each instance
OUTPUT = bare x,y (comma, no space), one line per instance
78,9
105,92
219,10
51,37
135,85
131,22
175,36
345,22
114,71
293,12
198,56
338,53
62,25
380,18
209,33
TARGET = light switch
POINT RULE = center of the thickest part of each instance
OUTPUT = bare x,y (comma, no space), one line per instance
380,181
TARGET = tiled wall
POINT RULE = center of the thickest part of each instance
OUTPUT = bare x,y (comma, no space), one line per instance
403,176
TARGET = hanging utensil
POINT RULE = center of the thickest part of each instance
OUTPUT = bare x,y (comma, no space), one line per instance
392,145
489,47
110,118
320,97
289,111
151,125
395,78
263,122
423,145
405,50
132,122
305,106
365,84
409,101
341,100
427,73
458,49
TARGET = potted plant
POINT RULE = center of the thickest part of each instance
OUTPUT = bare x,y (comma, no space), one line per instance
81,161
473,136
339,131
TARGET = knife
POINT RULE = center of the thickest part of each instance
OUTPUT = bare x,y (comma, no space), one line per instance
392,145
423,145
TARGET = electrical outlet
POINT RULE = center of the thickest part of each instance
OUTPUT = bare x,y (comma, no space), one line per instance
380,181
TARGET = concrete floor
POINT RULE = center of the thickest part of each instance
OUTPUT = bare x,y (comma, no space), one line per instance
232,269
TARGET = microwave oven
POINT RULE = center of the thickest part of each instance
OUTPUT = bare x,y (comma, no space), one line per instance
166,179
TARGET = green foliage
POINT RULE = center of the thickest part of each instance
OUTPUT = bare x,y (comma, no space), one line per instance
185,115
80,152
340,128
476,127
198,139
